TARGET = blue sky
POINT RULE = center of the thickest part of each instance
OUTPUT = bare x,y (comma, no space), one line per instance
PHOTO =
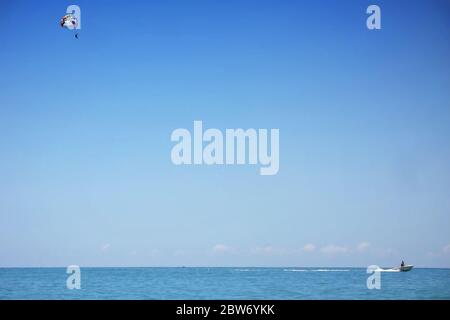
364,118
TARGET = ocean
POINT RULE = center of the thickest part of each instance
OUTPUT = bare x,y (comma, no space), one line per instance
223,283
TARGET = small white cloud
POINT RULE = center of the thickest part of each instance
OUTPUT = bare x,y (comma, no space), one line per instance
309,247
386,252
270,250
105,247
446,249
363,246
221,248
433,254
267,250
333,249
180,253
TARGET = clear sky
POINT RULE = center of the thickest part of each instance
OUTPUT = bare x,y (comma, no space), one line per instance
364,116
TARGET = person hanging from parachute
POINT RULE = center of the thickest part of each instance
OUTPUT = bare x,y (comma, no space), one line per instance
69,21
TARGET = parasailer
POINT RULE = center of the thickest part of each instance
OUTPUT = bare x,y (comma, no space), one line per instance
69,21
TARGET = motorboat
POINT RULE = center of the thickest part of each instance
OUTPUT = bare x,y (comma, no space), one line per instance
406,267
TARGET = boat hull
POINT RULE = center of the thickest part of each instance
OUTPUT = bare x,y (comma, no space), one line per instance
406,268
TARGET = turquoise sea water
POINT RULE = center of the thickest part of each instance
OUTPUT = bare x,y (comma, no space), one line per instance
222,283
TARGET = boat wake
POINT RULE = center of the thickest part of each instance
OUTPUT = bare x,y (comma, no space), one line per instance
387,270
316,270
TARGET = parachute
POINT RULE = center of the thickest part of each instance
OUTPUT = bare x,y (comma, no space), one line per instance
69,22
